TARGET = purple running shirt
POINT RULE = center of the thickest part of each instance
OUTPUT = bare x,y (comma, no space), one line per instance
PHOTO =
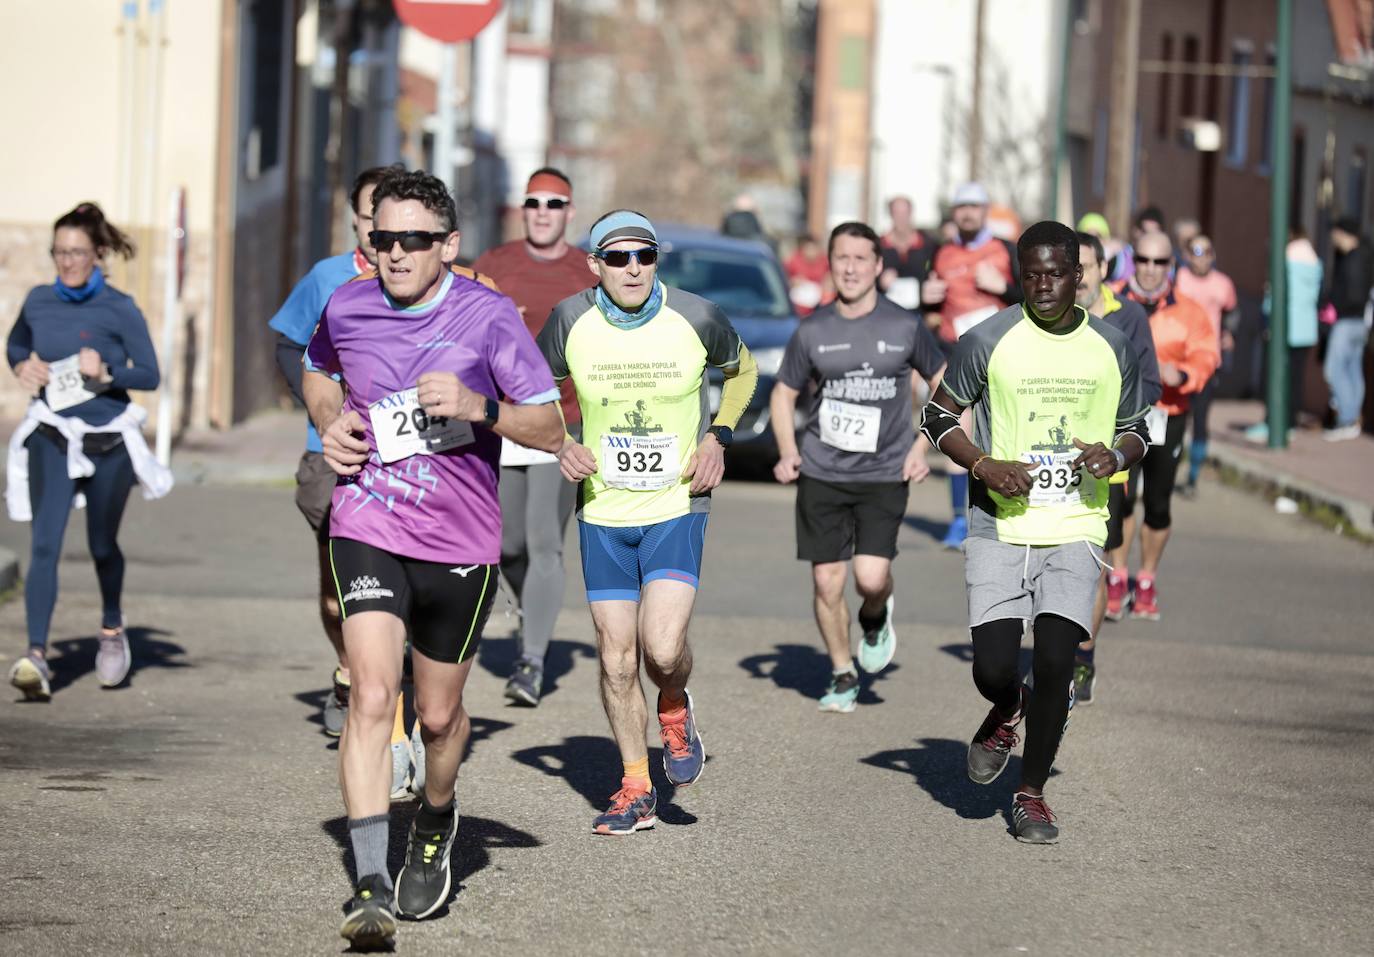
440,507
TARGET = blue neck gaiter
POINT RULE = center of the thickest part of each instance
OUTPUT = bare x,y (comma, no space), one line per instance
83,292
622,319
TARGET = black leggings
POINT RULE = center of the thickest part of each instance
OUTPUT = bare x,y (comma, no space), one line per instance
51,493
996,648
1157,471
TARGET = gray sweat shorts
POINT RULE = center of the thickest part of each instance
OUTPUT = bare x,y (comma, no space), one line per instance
1025,581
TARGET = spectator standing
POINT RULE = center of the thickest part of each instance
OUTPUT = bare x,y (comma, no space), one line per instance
1352,276
1304,293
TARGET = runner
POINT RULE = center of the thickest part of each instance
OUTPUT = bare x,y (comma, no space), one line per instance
906,256
1096,297
79,346
857,450
1201,281
293,323
971,278
400,380
1188,352
637,353
537,272
1050,386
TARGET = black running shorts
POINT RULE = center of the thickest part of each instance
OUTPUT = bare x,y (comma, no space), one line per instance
444,606
837,520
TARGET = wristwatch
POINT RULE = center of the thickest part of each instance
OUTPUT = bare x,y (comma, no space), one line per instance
724,435
493,412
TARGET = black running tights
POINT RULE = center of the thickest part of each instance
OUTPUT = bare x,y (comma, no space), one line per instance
996,647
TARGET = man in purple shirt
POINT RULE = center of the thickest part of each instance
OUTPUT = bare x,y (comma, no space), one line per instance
425,355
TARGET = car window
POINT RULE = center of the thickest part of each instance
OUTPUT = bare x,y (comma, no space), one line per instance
737,283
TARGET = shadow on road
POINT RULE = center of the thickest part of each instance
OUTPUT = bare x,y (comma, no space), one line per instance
497,656
588,764
940,767
477,838
963,650
806,670
73,658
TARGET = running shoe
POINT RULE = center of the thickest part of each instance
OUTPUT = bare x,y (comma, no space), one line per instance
526,683
1033,820
425,880
1118,596
1145,603
370,918
336,706
954,537
1343,433
402,766
417,749
632,809
842,694
1084,682
684,753
878,647
113,660
32,675
990,749
1188,490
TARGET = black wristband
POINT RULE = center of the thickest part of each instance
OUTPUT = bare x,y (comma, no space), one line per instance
493,412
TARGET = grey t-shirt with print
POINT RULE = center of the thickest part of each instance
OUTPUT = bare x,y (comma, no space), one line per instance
864,363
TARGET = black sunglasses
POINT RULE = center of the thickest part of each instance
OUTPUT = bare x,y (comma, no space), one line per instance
412,240
620,258
1142,261
533,202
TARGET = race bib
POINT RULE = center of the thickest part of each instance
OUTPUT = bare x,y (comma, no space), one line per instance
66,387
905,292
402,428
642,463
513,454
851,427
1054,480
1156,420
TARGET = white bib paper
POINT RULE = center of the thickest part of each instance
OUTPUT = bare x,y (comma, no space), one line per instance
640,462
1054,480
402,428
968,320
514,454
851,427
65,386
1156,420
905,292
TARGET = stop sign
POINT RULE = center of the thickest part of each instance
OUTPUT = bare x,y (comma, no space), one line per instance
447,20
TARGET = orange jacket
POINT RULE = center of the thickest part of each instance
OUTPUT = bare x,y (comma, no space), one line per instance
1184,337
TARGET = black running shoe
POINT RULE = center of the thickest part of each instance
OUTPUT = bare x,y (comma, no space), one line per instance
1033,820
990,749
369,918
422,886
525,683
1084,682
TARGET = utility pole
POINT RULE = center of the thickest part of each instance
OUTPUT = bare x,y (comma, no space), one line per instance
1276,395
1121,145
975,136
1061,118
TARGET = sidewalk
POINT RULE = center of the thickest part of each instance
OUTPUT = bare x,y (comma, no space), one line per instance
263,450
1322,477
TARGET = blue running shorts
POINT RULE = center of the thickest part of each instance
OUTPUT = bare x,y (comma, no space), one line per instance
619,560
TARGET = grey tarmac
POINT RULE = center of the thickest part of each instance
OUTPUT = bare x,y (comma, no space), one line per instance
1217,799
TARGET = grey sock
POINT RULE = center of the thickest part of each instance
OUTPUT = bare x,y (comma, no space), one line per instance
370,836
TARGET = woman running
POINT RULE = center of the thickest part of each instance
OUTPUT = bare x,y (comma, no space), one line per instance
79,346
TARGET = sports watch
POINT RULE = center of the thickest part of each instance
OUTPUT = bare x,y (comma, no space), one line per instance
493,412
724,435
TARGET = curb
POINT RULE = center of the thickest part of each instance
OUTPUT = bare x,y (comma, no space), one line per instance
9,570
1317,503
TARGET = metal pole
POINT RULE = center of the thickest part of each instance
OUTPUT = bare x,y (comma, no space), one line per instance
171,312
1277,397
1121,148
445,142
975,138
1061,118
128,30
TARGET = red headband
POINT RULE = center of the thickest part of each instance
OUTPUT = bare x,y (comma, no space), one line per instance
549,183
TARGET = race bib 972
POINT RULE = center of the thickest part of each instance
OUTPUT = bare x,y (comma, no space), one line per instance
851,427
402,428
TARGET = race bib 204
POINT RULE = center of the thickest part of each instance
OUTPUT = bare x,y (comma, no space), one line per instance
402,428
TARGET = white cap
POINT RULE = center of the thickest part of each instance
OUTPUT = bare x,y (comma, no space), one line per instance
970,194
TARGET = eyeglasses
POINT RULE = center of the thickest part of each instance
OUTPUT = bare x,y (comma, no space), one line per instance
71,253
620,258
534,202
1142,261
412,240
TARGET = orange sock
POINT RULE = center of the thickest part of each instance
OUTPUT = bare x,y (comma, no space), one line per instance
638,771
398,727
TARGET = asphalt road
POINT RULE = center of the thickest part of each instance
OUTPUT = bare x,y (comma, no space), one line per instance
1217,798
